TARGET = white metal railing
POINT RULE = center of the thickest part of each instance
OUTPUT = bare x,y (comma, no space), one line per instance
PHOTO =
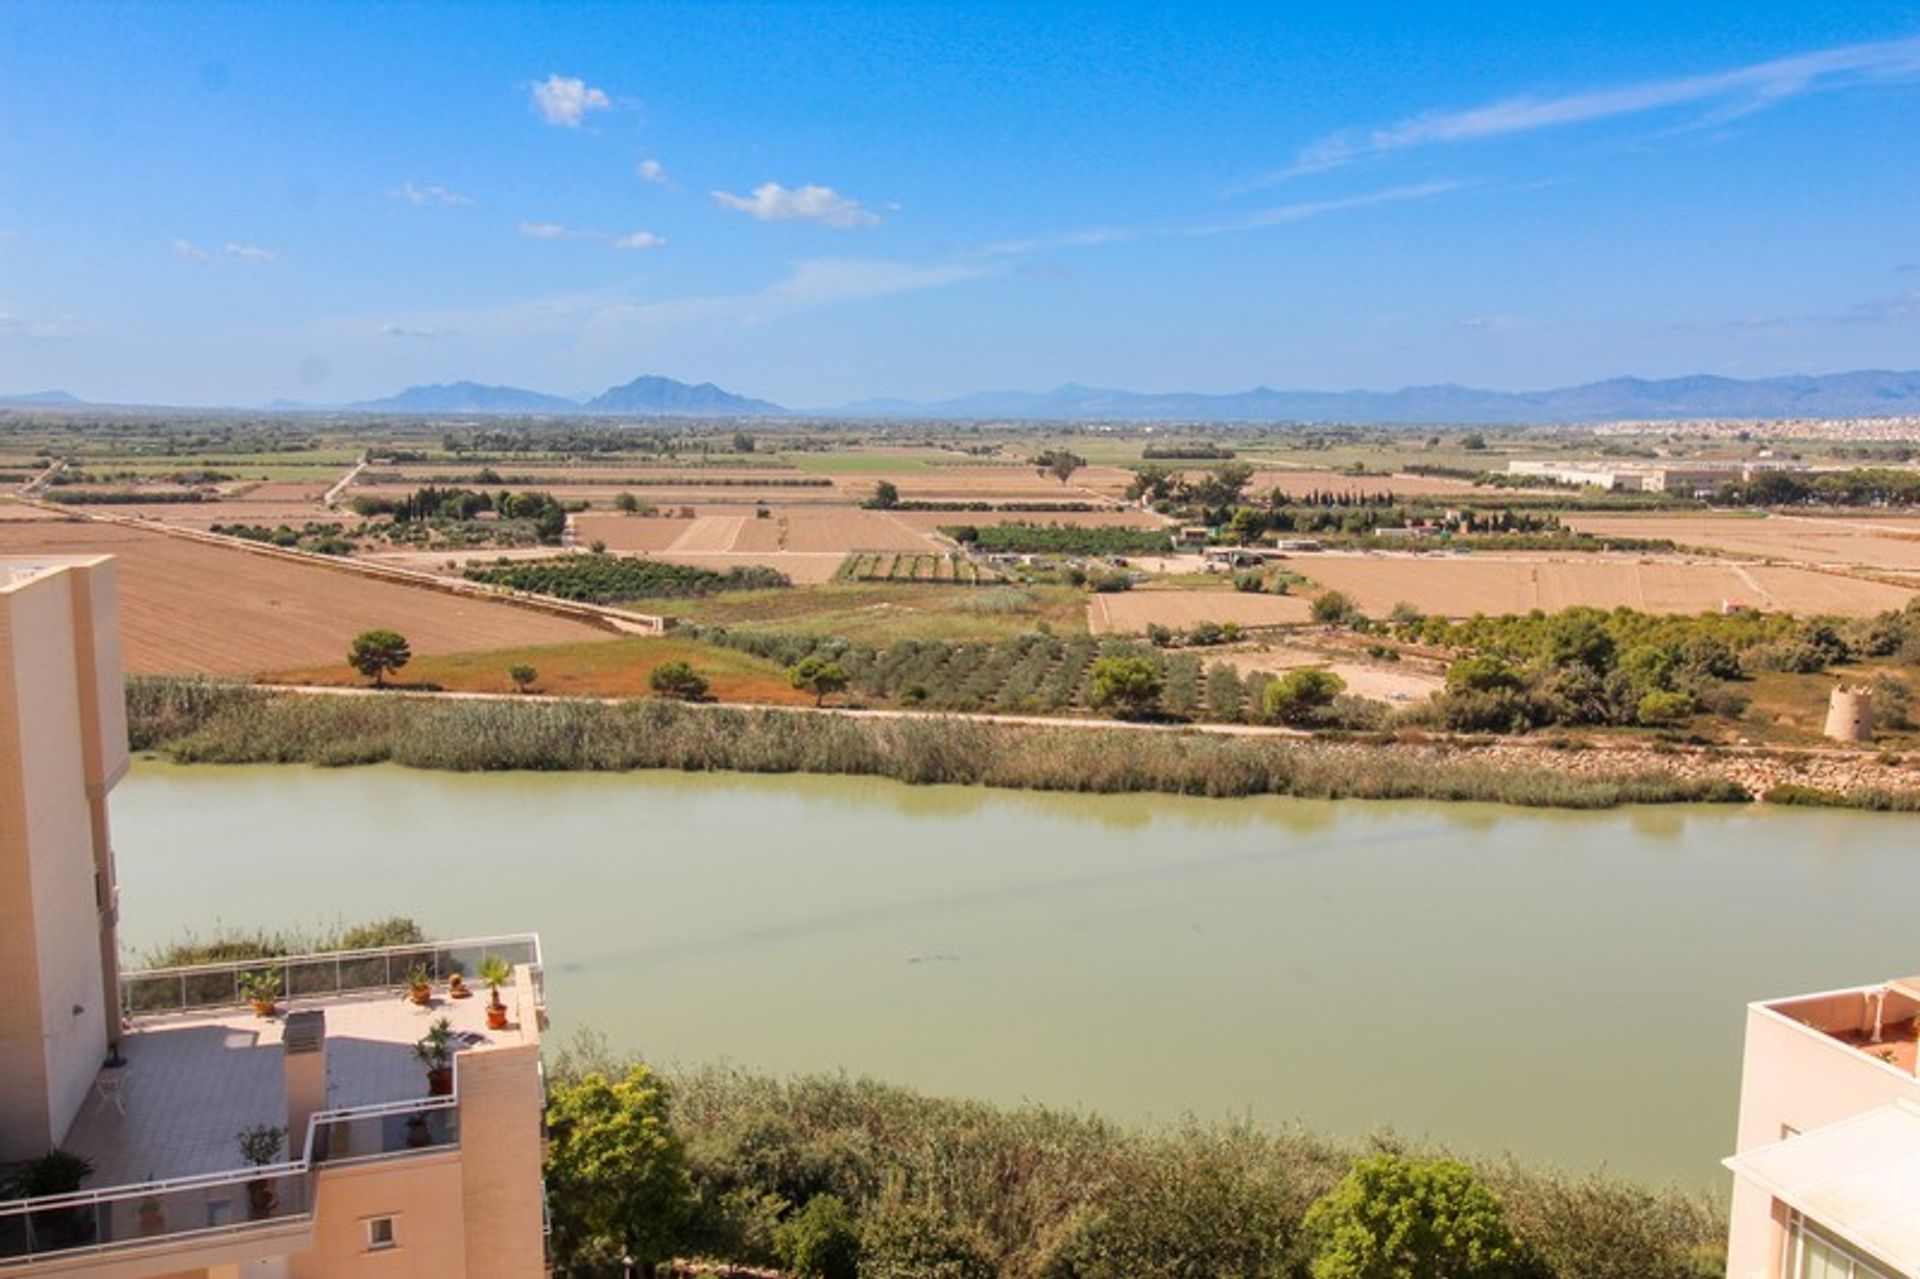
169,990
224,1203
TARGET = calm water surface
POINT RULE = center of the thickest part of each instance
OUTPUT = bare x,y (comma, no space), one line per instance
1565,986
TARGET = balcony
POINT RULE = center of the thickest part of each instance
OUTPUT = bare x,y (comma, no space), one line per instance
162,1131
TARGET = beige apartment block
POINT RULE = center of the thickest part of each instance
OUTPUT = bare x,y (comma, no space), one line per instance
1827,1152
152,1076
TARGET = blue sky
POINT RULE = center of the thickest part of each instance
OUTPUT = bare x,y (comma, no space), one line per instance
226,203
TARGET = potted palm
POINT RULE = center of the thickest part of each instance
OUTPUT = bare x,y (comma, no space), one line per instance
260,1146
496,972
261,989
419,985
435,1052
58,1172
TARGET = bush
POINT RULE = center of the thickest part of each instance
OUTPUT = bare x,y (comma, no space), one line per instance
820,1241
1392,1217
1298,697
1661,707
679,680
1332,608
607,579
1125,685
908,1241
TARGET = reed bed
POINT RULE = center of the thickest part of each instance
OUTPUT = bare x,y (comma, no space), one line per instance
200,721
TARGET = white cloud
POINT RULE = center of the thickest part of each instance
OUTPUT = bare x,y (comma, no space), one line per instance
403,331
1278,215
545,231
1734,93
249,252
652,171
188,251
640,240
421,197
771,202
564,102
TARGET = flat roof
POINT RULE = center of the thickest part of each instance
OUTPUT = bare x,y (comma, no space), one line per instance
193,1080
1859,1179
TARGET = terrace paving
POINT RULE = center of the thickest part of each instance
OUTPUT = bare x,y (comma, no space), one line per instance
194,1080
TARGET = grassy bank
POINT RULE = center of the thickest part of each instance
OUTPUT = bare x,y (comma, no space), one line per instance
201,721
1033,1193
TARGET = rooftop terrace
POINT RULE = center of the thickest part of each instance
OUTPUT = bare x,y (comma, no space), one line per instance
1880,1021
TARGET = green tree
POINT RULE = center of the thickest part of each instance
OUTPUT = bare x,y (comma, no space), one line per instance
616,1173
820,1241
1579,637
902,1241
377,654
742,442
886,496
1059,463
819,676
1334,607
1299,696
522,676
1125,685
678,679
1392,1217
626,503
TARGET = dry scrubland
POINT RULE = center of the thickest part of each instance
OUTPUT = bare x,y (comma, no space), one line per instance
1461,587
191,607
1865,542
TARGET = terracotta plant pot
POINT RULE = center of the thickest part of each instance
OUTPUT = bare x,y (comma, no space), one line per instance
456,988
496,1016
422,995
440,1081
262,1199
263,1008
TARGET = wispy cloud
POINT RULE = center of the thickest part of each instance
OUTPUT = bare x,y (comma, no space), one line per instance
653,171
15,326
1278,215
555,231
564,101
249,252
405,331
423,196
1730,94
188,251
771,202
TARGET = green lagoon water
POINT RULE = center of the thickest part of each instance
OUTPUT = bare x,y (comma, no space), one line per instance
1566,986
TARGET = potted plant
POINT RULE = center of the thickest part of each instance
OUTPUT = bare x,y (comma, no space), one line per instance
457,986
262,990
435,1051
260,1146
58,1172
496,972
419,985
153,1214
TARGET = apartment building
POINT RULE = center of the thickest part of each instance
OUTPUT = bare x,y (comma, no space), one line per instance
302,1137
1827,1153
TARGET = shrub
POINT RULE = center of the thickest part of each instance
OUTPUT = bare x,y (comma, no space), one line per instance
820,676
522,676
1663,707
908,1241
1298,697
1332,608
1125,685
679,680
607,579
1392,1217
820,1241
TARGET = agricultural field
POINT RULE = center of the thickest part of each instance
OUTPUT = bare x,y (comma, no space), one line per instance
911,566
192,607
1859,541
1131,612
1493,585
883,612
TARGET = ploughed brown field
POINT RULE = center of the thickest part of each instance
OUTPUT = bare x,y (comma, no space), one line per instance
1130,612
190,607
1493,585
1866,541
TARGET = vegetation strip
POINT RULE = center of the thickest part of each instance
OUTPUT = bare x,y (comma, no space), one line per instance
205,721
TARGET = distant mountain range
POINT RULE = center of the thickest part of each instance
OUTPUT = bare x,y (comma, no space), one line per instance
1866,393
1871,393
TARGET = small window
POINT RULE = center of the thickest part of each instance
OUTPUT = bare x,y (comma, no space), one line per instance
381,1234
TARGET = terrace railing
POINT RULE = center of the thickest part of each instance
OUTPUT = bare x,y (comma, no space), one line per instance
153,991
244,1201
